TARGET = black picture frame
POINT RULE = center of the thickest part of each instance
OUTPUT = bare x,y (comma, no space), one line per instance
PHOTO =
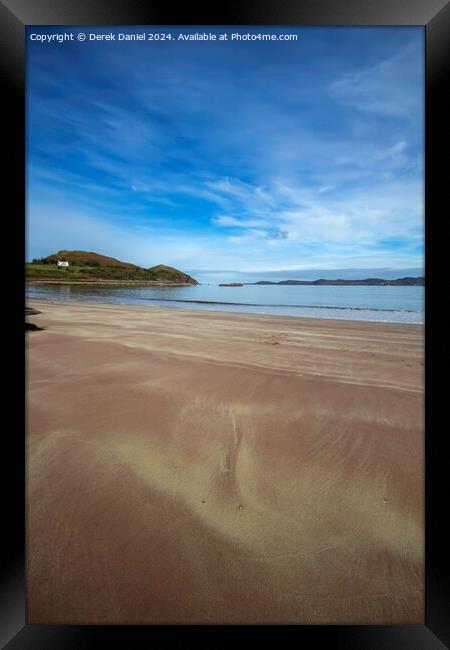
434,16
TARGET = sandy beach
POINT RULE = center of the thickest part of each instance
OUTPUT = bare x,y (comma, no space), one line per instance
210,467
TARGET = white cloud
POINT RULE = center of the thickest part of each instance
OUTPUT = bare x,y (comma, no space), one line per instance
302,215
227,221
388,88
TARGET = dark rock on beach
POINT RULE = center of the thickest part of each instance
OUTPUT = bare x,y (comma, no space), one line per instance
31,327
29,311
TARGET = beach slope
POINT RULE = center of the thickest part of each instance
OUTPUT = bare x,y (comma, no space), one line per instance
208,467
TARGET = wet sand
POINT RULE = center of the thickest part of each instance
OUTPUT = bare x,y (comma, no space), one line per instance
209,467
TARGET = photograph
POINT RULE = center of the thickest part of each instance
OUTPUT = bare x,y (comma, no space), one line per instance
224,288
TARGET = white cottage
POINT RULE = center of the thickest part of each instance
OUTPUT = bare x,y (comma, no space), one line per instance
63,263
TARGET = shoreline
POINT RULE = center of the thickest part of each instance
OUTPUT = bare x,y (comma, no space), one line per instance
219,467
153,283
227,311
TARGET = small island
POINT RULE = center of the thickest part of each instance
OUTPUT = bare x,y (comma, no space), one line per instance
83,267
231,284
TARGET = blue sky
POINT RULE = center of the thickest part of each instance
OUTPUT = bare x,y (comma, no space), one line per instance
230,159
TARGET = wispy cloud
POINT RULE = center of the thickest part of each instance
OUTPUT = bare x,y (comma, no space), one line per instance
389,87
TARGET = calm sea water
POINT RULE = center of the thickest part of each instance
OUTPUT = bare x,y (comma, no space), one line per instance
388,304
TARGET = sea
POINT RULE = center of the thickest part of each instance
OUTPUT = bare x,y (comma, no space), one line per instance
390,304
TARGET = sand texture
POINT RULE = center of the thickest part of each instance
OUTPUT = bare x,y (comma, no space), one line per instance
209,467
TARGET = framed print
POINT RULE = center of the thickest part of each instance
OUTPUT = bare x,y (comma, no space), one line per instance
231,417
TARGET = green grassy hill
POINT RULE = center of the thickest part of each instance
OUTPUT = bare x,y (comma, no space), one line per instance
87,266
85,258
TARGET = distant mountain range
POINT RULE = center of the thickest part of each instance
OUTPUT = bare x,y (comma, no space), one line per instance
85,266
377,282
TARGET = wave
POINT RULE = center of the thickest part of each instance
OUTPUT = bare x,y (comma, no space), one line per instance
261,304
254,304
